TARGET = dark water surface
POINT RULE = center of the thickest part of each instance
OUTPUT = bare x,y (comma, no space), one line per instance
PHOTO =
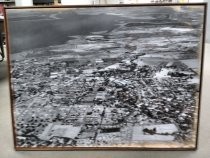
53,28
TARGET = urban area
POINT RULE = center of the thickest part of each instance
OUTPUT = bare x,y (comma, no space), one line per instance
137,83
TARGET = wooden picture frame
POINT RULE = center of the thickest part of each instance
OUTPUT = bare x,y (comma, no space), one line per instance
106,77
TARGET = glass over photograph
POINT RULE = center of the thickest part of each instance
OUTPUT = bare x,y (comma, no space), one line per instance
106,77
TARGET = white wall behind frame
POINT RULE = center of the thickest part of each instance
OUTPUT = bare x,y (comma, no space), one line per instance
208,22
129,1
195,1
24,2
76,2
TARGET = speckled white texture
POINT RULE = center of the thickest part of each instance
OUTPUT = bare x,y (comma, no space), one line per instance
6,137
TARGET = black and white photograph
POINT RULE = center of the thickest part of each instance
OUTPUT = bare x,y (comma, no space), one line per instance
105,77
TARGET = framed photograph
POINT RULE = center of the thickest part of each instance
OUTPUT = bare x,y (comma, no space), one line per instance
116,77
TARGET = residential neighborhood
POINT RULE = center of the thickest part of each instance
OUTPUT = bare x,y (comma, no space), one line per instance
136,83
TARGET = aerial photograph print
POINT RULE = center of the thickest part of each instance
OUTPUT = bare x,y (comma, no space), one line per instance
105,77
